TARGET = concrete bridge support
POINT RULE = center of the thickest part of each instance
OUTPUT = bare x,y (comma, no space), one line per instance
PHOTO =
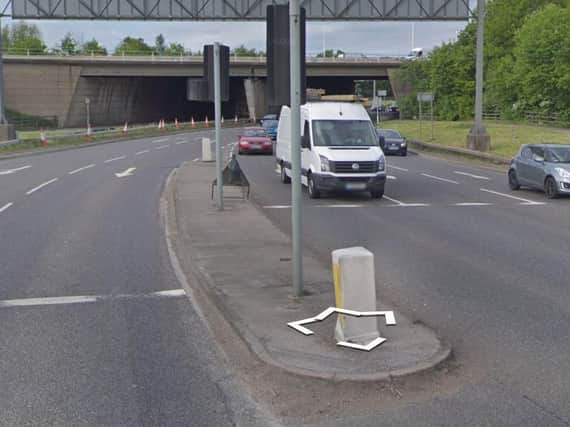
255,96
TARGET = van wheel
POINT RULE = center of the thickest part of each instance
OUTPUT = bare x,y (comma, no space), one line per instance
284,178
314,193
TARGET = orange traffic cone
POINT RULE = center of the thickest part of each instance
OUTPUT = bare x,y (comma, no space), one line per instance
176,123
236,119
222,119
43,138
192,123
125,128
160,124
206,121
89,134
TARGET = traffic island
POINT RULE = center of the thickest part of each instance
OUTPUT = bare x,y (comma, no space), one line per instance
238,263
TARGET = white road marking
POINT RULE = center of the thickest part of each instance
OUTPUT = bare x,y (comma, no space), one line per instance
160,147
158,141
6,206
10,171
83,299
196,159
406,205
138,153
182,142
472,175
520,199
277,207
127,172
73,172
472,204
398,168
391,177
33,190
339,206
450,181
115,158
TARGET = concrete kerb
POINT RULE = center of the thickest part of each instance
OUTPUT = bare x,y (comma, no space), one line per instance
460,152
211,308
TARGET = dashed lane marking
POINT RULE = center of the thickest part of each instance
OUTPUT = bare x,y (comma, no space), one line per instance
402,204
472,204
438,178
182,142
398,168
42,185
485,178
160,147
84,299
196,159
392,177
6,206
340,206
520,199
158,141
138,153
73,172
114,159
11,171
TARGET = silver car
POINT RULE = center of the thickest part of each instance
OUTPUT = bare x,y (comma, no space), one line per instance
542,166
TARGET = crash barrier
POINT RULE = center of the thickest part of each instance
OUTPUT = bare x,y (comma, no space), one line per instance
355,289
233,176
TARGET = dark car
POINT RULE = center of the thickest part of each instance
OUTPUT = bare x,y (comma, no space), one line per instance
270,127
394,143
255,140
542,166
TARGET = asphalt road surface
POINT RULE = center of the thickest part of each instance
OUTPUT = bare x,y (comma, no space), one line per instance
488,269
94,328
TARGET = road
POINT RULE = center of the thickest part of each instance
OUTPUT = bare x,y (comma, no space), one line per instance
96,329
485,267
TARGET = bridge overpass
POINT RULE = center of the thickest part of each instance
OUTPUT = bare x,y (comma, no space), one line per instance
146,88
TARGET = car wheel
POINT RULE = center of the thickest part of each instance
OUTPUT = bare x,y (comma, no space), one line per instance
513,180
550,188
284,178
377,194
314,193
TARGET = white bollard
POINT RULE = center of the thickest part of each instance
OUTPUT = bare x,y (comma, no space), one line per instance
206,150
354,288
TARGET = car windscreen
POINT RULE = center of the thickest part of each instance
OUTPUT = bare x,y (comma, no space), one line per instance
390,134
558,155
254,132
270,123
344,133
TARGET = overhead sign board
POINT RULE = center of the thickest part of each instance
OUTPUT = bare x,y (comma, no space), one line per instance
425,97
382,93
195,10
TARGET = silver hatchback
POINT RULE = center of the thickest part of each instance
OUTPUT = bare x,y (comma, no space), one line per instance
542,166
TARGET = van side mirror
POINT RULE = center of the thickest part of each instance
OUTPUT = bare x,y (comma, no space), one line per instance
305,141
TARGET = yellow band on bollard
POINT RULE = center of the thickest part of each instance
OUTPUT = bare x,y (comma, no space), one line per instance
337,289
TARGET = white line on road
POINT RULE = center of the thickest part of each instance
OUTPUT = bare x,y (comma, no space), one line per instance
398,168
10,171
391,177
158,141
450,181
339,206
472,204
520,199
138,153
160,147
277,207
115,158
6,206
33,190
182,142
196,159
82,299
393,200
472,175
81,169
127,172
406,205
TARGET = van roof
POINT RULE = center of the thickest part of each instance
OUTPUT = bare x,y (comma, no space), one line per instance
335,111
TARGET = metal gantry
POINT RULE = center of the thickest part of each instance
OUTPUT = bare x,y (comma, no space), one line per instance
372,10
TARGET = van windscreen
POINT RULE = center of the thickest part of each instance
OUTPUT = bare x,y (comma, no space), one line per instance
344,133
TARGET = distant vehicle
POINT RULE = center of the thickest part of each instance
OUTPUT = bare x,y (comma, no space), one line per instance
268,117
339,149
270,127
255,140
416,53
380,108
542,166
395,143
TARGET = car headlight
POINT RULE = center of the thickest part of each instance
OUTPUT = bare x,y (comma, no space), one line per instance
563,173
403,144
381,164
325,164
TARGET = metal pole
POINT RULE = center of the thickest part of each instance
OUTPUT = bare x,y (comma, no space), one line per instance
2,113
431,117
296,189
374,101
87,101
479,66
420,102
218,119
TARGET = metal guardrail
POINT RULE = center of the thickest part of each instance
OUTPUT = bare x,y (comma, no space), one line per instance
9,142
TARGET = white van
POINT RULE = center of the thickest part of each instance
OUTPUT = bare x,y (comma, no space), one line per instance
340,149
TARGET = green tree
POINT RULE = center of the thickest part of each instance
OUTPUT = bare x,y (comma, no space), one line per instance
330,53
26,38
244,51
92,47
133,46
160,44
175,49
69,45
6,37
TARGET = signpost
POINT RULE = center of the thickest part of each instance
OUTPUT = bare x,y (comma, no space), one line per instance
425,97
